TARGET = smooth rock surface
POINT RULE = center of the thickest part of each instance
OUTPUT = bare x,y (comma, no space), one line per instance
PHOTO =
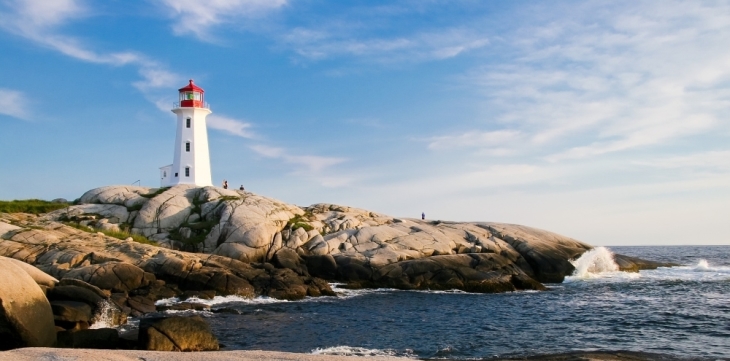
176,334
26,319
40,277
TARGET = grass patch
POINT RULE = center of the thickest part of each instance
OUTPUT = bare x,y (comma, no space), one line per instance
33,206
299,222
116,234
124,235
155,193
228,198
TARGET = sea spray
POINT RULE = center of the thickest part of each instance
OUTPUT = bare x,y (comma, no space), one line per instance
107,316
595,261
598,264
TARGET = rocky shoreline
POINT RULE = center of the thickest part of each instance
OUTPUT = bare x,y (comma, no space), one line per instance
204,242
127,355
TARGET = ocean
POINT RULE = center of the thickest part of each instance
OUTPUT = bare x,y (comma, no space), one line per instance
681,312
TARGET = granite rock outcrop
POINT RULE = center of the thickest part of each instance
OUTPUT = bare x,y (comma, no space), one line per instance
236,242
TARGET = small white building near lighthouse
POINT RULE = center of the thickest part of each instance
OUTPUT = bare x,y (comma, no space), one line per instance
191,157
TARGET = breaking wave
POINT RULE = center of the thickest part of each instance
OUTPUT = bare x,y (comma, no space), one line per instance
361,351
598,265
219,300
104,317
342,293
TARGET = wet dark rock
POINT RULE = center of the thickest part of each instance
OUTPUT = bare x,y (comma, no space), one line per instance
547,253
323,266
71,311
102,338
476,272
288,258
633,264
176,334
203,295
286,285
184,306
141,304
75,293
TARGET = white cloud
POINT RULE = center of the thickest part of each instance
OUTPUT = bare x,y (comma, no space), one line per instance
230,125
607,78
712,160
311,163
39,21
489,139
197,17
13,103
317,44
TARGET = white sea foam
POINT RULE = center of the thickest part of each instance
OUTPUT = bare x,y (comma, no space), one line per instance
598,264
342,293
219,300
702,271
104,317
361,351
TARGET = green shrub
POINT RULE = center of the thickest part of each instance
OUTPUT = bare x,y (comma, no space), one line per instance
34,206
123,234
228,198
155,193
299,222
307,227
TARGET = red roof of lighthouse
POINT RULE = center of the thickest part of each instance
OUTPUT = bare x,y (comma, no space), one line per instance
191,87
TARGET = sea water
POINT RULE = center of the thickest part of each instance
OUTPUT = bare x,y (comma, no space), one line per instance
681,311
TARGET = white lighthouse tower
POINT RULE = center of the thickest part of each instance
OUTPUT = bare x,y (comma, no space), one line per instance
191,162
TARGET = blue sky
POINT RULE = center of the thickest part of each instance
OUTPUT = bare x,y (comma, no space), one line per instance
603,121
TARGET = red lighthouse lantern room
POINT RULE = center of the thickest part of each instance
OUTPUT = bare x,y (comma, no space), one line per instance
191,96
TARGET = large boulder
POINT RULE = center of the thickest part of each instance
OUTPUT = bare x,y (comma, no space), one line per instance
26,319
40,277
128,196
166,211
176,334
483,272
547,253
114,276
249,227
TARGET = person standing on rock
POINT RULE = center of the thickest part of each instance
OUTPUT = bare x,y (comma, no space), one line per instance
225,184
423,215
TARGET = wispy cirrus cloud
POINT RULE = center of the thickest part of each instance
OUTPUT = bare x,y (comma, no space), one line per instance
231,126
487,139
14,103
323,43
198,17
310,163
711,160
39,20
602,78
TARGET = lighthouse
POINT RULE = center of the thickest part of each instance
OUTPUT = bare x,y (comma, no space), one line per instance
191,158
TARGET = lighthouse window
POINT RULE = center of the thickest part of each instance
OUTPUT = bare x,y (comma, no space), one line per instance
187,123
187,146
187,171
